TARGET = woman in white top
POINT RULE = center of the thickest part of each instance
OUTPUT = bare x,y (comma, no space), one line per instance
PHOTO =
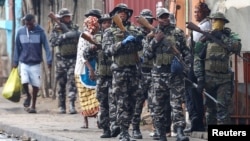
84,73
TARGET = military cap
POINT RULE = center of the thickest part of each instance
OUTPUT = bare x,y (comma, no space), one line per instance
161,11
219,15
104,17
63,12
121,6
94,12
146,13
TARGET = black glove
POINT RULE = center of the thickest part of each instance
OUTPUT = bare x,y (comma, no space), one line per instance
200,86
217,34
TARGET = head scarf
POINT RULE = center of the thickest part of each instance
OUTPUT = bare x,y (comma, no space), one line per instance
91,24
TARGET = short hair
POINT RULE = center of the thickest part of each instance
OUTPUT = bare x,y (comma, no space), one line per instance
29,17
203,8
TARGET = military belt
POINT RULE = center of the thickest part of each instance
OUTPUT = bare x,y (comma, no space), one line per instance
146,69
219,75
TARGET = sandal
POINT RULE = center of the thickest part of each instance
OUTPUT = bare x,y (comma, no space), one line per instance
26,102
84,127
31,110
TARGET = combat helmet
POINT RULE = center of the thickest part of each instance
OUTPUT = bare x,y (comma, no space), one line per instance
121,6
219,15
94,12
161,11
63,12
147,14
104,17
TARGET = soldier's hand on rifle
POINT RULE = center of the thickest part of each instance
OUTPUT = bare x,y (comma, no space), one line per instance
129,38
159,36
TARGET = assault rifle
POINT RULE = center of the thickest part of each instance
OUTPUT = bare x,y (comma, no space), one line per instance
89,39
207,94
62,25
194,27
141,20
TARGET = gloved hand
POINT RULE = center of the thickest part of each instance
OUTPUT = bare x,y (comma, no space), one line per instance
176,66
200,87
129,38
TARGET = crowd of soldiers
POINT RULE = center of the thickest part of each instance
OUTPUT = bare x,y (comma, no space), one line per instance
134,64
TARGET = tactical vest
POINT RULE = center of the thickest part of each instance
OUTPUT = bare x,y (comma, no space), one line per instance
145,43
217,59
164,53
124,59
103,62
68,46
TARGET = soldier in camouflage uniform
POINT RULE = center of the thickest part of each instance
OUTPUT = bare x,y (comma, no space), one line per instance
65,38
145,79
103,78
167,75
213,70
123,48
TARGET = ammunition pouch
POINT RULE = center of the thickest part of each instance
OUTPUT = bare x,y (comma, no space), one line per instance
103,65
68,50
163,59
217,59
125,59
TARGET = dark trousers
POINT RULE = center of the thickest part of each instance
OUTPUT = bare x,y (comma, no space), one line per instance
195,105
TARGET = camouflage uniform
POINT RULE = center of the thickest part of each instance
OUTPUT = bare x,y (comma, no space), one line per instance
167,85
213,71
104,85
65,39
125,77
145,77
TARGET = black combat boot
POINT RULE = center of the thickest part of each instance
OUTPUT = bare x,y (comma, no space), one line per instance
136,134
115,130
180,135
62,107
72,109
124,136
106,133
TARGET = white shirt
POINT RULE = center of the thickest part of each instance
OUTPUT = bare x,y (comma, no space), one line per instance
205,25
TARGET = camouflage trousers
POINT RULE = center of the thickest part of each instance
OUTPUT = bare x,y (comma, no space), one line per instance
143,90
65,75
103,93
167,91
221,90
125,88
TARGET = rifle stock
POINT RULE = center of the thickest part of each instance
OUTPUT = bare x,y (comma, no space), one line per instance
89,39
54,18
144,22
118,21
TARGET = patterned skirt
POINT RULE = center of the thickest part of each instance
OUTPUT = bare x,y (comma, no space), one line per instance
87,98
